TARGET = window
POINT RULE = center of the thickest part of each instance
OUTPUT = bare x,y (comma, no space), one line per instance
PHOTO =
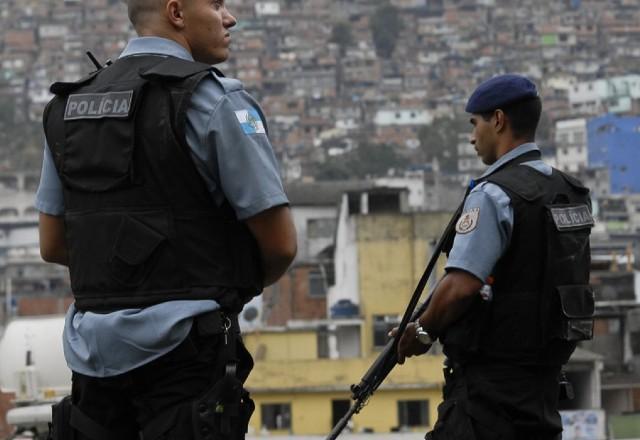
316,283
321,227
413,413
382,324
338,409
9,212
322,337
276,415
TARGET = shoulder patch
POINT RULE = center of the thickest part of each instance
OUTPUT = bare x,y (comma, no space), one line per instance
98,105
468,221
250,121
571,217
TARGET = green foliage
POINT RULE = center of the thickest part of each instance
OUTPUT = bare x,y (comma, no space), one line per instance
366,160
440,140
341,35
386,25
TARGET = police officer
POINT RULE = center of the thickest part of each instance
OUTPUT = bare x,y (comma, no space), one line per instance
515,297
161,193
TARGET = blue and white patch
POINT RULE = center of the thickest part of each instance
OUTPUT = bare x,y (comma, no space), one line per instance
250,121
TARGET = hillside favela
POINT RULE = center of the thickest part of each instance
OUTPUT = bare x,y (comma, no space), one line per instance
364,101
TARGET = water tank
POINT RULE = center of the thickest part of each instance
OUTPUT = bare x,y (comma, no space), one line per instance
33,365
344,308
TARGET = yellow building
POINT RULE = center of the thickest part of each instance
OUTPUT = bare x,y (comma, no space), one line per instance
304,369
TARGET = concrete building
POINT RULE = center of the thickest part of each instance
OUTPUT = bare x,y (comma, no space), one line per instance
304,369
24,277
468,160
571,145
611,95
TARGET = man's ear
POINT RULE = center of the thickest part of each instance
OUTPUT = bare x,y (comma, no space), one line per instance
174,13
500,120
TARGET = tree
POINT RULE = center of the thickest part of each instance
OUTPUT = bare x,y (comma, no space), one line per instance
341,35
386,25
365,160
440,140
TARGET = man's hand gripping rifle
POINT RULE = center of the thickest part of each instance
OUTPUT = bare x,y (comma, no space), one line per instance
388,358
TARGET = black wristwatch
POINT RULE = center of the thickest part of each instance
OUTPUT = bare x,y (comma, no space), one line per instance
422,335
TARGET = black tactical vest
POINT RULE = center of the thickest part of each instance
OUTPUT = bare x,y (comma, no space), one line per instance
542,303
141,226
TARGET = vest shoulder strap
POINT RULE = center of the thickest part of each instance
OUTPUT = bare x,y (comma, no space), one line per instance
522,180
574,183
174,69
61,88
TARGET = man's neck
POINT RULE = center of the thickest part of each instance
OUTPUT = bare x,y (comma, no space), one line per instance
510,144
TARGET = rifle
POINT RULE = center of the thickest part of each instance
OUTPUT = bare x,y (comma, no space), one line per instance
388,358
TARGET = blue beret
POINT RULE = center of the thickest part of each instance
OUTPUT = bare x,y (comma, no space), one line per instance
500,91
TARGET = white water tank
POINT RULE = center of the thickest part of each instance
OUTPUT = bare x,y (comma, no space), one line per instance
32,362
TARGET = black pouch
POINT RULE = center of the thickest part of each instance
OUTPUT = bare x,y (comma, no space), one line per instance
97,152
569,300
577,305
136,241
117,251
60,427
224,412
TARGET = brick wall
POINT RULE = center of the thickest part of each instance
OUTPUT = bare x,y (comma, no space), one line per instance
290,299
306,306
5,406
48,305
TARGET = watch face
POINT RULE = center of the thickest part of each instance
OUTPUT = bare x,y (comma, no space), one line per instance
424,337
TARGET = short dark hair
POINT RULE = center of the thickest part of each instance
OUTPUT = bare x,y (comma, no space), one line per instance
523,116
138,8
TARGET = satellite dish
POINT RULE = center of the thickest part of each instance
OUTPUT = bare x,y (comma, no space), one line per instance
250,314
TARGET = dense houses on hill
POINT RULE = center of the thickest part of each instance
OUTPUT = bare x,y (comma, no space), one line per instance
326,81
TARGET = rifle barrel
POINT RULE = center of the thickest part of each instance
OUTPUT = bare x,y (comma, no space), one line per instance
343,422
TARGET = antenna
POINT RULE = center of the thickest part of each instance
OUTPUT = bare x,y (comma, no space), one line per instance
94,60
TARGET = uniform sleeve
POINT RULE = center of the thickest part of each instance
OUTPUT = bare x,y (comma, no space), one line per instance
483,231
49,199
247,169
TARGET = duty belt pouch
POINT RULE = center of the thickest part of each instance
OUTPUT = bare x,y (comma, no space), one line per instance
223,413
225,410
60,427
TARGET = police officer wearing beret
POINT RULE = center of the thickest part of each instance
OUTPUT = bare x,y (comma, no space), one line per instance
515,298
161,193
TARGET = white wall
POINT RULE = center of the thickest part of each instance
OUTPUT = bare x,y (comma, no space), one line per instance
345,260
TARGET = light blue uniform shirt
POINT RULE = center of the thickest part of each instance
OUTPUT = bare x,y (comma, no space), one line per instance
237,162
489,233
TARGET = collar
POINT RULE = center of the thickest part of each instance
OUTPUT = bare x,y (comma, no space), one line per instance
155,45
511,155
